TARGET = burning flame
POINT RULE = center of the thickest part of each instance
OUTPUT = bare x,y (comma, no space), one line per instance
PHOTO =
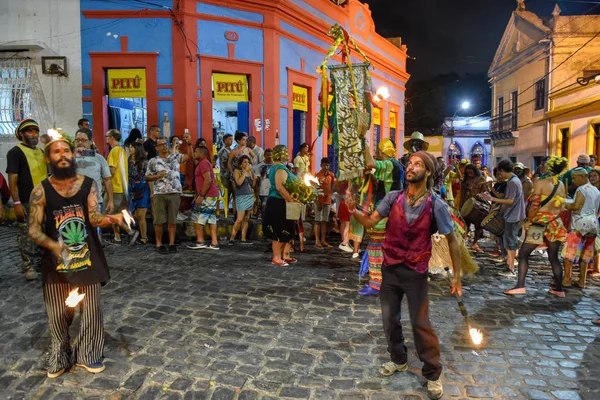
308,178
476,335
128,218
74,298
54,134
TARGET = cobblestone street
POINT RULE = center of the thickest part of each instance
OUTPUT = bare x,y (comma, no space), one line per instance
228,325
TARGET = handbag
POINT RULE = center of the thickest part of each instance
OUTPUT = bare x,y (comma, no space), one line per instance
535,234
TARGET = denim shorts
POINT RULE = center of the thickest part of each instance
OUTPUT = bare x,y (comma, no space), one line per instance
511,235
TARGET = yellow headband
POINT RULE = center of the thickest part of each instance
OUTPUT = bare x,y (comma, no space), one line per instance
387,147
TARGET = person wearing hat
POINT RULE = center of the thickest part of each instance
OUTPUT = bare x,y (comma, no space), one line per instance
64,211
388,175
520,171
412,216
583,161
416,143
26,168
580,240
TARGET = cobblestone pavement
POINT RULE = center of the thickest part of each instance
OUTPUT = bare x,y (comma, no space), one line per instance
228,325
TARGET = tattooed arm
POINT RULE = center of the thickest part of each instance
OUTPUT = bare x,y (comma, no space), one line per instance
94,214
37,205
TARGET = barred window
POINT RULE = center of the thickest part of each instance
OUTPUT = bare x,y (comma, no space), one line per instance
15,93
540,94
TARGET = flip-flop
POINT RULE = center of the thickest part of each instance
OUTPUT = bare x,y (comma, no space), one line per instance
290,260
515,291
556,293
390,368
279,263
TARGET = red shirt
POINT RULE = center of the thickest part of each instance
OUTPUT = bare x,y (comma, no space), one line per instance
326,183
203,167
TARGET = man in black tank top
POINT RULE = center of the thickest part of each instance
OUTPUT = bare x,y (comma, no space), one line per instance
66,204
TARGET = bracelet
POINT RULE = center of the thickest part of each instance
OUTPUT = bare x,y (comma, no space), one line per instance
16,203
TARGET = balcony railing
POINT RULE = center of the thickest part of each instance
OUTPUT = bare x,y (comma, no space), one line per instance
506,122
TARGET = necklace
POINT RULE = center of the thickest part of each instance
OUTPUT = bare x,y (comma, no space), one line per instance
413,200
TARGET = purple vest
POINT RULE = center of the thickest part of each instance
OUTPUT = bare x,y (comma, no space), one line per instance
408,244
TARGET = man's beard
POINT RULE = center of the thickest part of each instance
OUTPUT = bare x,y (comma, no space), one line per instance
416,178
31,141
62,173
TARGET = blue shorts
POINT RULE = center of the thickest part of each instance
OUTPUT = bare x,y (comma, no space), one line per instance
511,235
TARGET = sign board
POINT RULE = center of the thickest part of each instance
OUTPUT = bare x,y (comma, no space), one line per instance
126,83
300,100
376,116
393,123
230,87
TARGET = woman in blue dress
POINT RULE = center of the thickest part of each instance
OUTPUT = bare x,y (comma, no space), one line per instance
139,191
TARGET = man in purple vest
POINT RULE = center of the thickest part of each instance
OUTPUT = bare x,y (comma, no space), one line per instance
413,215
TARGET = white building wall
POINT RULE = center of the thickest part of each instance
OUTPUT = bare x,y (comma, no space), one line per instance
53,25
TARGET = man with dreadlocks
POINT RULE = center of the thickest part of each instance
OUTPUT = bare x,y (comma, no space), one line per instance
388,175
64,211
412,216
26,168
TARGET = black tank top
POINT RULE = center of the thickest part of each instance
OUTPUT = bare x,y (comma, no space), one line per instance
68,219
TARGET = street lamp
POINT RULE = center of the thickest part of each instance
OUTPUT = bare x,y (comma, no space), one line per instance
464,106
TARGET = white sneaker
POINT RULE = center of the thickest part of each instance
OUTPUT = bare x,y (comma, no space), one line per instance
346,248
355,255
181,217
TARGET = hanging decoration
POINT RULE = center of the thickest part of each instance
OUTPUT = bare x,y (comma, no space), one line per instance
346,104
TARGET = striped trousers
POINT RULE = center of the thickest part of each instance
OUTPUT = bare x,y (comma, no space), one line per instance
89,344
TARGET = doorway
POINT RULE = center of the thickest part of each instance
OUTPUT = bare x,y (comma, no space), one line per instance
230,106
126,103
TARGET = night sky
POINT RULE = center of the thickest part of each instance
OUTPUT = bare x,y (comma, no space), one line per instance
456,35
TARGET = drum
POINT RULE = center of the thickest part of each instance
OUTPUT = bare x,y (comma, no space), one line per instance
474,211
493,223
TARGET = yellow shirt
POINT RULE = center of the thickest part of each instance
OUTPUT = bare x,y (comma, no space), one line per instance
117,159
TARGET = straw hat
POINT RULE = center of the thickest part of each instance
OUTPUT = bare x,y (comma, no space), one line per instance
416,136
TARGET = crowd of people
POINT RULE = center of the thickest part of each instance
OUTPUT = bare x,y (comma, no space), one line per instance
65,193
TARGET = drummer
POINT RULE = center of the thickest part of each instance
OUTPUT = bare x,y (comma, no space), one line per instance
473,184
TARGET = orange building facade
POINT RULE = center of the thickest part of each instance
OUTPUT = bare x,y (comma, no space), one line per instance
216,66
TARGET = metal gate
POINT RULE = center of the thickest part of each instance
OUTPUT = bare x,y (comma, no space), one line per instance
15,93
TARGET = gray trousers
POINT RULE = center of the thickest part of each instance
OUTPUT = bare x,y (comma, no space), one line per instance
30,252
90,342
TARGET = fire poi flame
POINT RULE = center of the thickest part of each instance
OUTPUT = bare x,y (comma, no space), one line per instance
309,179
54,134
128,218
476,335
74,298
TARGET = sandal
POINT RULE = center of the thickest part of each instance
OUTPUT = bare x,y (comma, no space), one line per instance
596,321
279,263
390,368
290,260
515,291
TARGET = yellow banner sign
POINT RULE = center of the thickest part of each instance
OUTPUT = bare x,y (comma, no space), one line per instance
300,100
392,120
230,87
376,116
127,83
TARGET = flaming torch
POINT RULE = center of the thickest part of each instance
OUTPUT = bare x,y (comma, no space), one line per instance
129,221
309,180
476,335
74,298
